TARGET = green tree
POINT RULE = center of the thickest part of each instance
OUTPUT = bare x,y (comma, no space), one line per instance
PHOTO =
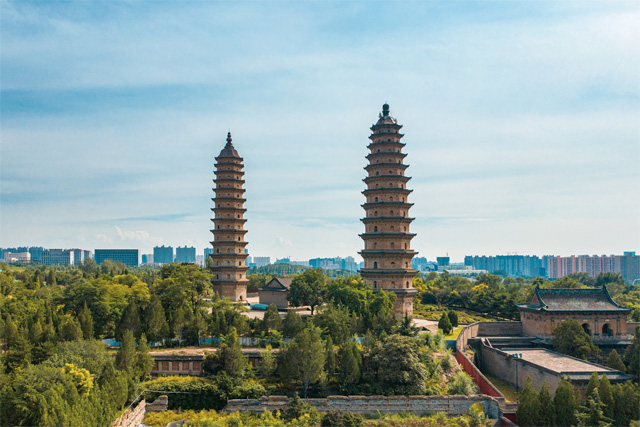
569,338
70,329
292,324
334,322
591,413
130,321
234,362
626,399
445,324
546,406
127,352
606,396
157,328
461,384
297,408
271,319
453,317
307,289
350,362
330,358
614,361
594,383
528,413
632,355
51,277
407,328
86,322
565,404
17,346
303,359
143,362
268,362
342,419
393,366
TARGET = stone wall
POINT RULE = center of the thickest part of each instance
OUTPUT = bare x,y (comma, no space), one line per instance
451,405
132,417
472,331
159,405
499,329
501,365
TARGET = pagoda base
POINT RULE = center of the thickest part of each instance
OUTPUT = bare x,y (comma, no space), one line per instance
403,305
233,292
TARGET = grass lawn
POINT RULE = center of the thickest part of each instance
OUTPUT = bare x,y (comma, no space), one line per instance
454,334
508,391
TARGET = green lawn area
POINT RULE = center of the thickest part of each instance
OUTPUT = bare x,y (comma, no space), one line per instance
508,391
454,334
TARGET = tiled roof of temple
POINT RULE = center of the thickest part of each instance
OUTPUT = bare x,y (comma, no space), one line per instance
586,299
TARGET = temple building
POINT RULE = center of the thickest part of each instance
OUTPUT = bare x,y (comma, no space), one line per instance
228,257
598,314
387,250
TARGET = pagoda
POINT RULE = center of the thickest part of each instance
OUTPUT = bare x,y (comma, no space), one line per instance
228,258
387,250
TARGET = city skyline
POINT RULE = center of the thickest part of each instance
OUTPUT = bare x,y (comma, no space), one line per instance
521,123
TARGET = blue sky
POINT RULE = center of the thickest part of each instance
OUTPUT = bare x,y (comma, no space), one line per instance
522,122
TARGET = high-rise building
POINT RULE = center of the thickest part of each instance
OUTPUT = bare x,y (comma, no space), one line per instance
186,254
36,253
147,258
163,254
57,257
387,250
513,265
228,267
261,261
128,257
628,265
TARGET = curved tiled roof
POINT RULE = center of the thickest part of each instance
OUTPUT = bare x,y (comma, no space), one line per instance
228,150
585,299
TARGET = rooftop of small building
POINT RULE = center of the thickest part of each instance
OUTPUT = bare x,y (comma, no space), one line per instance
578,299
561,363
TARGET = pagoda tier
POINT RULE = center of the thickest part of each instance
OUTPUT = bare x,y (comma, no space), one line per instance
227,261
387,249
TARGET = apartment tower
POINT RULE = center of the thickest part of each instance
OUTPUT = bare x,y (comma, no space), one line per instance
227,260
387,250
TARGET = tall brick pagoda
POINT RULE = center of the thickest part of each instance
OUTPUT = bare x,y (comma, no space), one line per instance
228,260
387,250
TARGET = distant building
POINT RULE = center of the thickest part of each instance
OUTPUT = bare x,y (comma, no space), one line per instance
442,261
186,254
628,265
57,257
36,253
147,258
283,261
200,260
512,265
275,292
163,254
261,261
128,257
79,255
17,257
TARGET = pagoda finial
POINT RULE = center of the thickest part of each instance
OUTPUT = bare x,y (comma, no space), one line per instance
385,109
229,136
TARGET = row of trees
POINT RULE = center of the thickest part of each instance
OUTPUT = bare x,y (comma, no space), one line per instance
604,404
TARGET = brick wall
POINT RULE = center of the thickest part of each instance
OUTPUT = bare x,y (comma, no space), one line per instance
451,405
132,417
